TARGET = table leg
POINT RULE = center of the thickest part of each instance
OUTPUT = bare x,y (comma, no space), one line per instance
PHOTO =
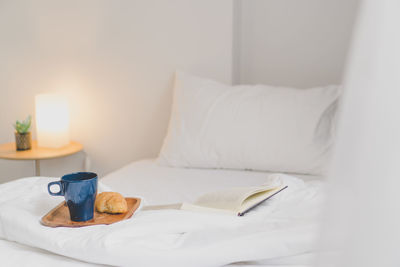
37,167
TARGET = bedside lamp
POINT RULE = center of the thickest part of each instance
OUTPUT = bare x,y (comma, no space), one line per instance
52,120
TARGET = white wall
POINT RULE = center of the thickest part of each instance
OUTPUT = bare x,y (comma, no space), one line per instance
299,43
115,61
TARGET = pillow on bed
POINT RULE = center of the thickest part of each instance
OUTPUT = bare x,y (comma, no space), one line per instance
258,127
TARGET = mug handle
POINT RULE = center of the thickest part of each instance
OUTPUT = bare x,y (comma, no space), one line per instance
59,193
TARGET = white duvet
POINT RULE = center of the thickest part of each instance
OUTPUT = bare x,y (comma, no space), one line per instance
287,225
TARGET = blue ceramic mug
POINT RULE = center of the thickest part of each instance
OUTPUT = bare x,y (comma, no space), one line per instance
79,190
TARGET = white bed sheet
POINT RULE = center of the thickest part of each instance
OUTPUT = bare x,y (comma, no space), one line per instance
165,185
13,254
158,185
16,255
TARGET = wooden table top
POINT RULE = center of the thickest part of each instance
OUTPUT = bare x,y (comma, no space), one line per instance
8,151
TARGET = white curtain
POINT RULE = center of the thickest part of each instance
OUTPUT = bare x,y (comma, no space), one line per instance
363,218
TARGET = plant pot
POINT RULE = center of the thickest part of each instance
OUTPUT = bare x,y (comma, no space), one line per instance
23,141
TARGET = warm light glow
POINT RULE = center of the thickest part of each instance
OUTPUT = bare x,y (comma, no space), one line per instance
52,120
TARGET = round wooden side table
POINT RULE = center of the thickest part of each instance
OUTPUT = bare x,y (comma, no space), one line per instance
8,151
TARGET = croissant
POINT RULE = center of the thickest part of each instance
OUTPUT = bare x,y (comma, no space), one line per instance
111,202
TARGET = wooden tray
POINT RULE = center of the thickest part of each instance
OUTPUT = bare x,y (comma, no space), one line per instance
59,216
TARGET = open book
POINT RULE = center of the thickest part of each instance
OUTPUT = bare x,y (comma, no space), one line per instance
238,200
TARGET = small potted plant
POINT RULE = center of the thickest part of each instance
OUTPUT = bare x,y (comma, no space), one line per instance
23,138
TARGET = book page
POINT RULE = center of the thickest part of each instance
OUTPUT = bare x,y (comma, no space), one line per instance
257,198
230,199
192,207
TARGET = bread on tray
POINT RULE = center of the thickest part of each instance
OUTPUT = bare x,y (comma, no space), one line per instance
111,202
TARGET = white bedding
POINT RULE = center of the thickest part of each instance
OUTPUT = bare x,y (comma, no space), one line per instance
13,254
280,232
166,185
257,127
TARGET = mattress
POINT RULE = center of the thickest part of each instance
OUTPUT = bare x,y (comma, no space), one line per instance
158,185
165,185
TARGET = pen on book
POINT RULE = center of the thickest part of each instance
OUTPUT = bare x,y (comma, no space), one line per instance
255,205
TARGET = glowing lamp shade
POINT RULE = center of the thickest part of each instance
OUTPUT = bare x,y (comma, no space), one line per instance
52,120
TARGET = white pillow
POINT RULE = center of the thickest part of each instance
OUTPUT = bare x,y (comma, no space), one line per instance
257,127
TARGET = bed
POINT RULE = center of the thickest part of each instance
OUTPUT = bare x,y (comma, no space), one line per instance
219,137
160,185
